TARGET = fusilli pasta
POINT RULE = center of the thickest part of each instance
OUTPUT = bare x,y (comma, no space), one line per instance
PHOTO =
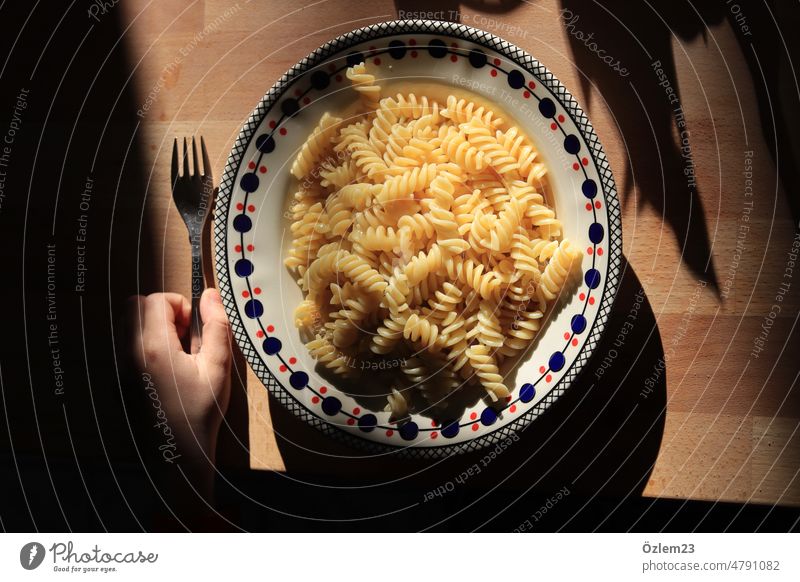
428,239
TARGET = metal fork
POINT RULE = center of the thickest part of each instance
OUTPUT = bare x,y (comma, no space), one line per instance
193,194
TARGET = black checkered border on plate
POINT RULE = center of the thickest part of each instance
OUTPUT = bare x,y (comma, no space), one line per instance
560,93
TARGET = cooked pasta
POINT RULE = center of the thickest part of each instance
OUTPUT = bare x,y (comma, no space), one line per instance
427,243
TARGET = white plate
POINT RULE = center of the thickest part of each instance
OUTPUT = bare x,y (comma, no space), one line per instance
251,228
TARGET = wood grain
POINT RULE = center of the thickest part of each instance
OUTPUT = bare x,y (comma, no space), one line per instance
731,429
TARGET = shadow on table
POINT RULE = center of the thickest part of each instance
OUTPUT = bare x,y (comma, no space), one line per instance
600,438
73,235
642,37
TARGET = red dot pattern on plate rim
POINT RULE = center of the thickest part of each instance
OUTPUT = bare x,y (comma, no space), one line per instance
251,208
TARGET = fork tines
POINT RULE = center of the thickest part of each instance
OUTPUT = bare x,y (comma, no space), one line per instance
187,173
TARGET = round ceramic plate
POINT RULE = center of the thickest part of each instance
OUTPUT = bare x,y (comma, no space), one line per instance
251,228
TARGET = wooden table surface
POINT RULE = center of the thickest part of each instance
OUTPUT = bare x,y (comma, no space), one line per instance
731,427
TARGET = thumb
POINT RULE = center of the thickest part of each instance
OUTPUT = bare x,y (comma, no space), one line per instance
216,347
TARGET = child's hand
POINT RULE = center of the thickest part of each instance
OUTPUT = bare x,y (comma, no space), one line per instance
194,389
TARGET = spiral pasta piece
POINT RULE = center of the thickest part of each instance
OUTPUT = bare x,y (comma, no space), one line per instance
407,184
556,272
485,366
364,83
322,350
480,136
462,111
456,147
316,145
421,330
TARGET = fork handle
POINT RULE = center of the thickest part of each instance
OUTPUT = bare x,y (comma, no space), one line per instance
198,285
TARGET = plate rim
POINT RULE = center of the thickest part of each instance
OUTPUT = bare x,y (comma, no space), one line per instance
614,227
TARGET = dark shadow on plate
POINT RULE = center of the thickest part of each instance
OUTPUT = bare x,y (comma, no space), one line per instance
601,437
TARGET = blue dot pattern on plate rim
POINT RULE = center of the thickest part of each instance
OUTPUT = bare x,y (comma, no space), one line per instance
547,107
290,107
331,405
253,309
354,58
298,380
242,223
320,80
557,361
450,429
265,143
516,80
437,48
592,278
477,58
578,323
596,233
589,188
244,268
409,431
272,346
397,49
527,392
572,144
488,416
368,422
250,182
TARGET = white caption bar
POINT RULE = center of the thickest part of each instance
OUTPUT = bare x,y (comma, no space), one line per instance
349,557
